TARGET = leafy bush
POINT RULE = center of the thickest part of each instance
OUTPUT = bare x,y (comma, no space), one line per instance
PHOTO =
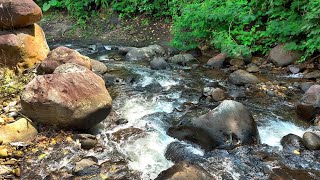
233,25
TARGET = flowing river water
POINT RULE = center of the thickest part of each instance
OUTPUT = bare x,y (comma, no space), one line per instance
146,103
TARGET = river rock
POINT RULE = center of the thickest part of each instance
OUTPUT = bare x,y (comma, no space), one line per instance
305,86
76,100
98,67
253,68
157,49
21,130
292,142
311,141
87,141
312,75
294,69
22,48
181,59
217,61
282,57
236,62
62,55
159,64
218,94
195,52
184,170
309,104
241,77
17,14
228,125
86,166
140,54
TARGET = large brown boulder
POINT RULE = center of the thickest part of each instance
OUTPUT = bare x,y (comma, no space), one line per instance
17,14
23,47
309,104
227,126
282,57
21,130
77,100
62,55
184,170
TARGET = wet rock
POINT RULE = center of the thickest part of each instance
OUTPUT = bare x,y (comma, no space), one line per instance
311,141
140,54
207,91
253,69
121,121
111,80
280,173
228,125
98,67
312,75
309,104
87,166
159,64
21,130
157,49
22,47
178,151
218,94
305,86
184,170
181,59
17,14
292,142
282,57
125,50
213,84
217,61
241,77
117,170
76,100
294,69
87,141
62,55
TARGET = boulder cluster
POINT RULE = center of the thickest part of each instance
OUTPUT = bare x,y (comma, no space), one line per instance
22,41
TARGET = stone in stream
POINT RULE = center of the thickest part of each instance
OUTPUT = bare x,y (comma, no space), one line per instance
17,14
21,130
311,141
98,67
227,126
87,166
22,48
143,53
305,86
184,170
309,104
181,59
218,94
241,77
77,100
292,142
217,61
312,75
282,57
253,68
62,55
87,141
159,64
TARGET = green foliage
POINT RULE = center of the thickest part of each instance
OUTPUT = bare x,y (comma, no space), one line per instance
233,25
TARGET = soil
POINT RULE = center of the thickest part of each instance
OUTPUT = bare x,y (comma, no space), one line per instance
107,28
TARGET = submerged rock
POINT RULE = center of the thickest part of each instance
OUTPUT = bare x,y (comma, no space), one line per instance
159,64
228,125
77,100
309,104
62,55
17,14
21,130
184,170
282,57
241,77
311,141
